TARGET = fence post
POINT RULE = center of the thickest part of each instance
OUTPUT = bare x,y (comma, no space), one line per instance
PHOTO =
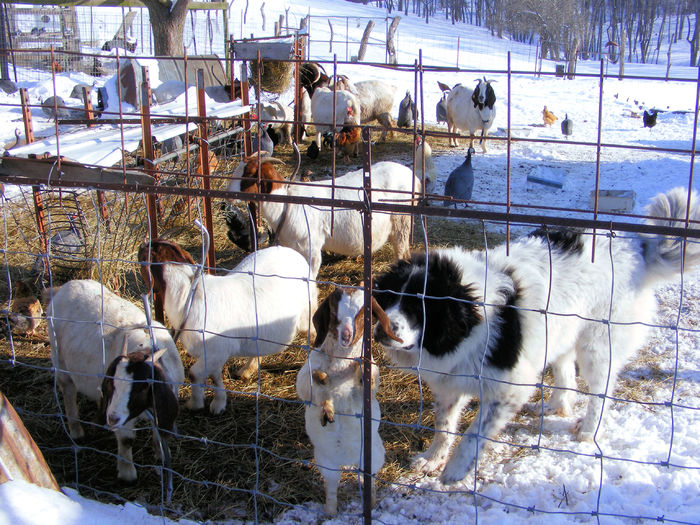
204,165
368,482
148,166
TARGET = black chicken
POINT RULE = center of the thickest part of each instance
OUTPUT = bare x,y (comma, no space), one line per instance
650,118
240,227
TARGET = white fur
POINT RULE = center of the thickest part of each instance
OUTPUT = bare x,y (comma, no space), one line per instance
322,110
86,330
253,311
463,115
376,99
307,229
596,316
281,117
339,443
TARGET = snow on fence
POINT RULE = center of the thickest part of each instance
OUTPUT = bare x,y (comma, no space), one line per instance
254,461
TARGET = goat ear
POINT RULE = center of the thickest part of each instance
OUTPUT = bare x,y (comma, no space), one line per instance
321,319
384,320
165,406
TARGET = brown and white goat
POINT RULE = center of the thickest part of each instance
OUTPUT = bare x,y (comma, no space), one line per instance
330,384
307,229
99,348
253,311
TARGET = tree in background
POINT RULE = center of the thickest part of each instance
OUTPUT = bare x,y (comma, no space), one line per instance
168,25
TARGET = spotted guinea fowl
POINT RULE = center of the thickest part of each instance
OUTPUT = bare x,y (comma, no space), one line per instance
407,112
460,183
266,143
567,126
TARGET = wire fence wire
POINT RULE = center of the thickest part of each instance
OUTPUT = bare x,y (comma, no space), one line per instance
255,461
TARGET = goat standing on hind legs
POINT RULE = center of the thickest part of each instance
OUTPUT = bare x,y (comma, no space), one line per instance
330,383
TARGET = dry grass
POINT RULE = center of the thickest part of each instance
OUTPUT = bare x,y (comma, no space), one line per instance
250,461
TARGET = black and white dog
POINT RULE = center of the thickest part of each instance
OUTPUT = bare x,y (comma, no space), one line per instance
487,324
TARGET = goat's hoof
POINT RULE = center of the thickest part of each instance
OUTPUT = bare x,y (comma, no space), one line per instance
217,408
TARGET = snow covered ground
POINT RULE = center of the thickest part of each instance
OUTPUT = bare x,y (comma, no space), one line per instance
647,465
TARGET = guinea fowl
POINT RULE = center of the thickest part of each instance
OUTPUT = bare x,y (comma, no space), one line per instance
567,126
407,112
649,118
460,183
266,143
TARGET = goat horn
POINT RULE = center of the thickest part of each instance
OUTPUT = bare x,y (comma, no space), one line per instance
158,354
124,344
384,320
293,177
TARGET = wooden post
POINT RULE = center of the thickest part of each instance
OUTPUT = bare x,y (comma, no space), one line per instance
39,209
391,50
204,164
148,166
247,143
363,42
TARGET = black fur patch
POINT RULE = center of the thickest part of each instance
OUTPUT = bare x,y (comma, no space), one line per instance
450,312
506,350
569,240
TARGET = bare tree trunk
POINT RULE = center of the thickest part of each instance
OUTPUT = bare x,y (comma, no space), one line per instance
391,50
622,55
330,42
668,60
695,39
262,14
363,42
573,53
167,26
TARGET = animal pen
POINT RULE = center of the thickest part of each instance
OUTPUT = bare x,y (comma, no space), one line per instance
74,220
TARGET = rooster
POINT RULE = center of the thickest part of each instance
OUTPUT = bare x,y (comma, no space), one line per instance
548,117
349,137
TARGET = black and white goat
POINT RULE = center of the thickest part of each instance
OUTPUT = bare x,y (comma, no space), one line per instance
471,110
253,311
330,384
99,347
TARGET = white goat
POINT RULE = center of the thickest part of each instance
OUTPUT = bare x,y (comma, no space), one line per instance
253,311
346,105
376,99
471,110
280,117
96,335
330,384
307,229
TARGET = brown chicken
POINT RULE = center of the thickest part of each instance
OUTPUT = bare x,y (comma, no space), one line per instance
348,138
548,117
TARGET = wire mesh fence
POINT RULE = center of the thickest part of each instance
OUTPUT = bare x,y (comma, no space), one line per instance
529,312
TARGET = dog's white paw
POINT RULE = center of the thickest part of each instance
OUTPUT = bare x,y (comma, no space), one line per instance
454,472
427,464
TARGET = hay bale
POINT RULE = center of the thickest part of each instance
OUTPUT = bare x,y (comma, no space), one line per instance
275,76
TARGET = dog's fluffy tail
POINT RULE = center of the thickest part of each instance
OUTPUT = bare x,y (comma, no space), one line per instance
666,257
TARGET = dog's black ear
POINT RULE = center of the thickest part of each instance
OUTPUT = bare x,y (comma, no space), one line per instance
393,281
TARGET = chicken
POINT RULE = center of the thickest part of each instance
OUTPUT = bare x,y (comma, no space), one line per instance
649,118
407,112
240,227
460,183
548,117
567,126
349,138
